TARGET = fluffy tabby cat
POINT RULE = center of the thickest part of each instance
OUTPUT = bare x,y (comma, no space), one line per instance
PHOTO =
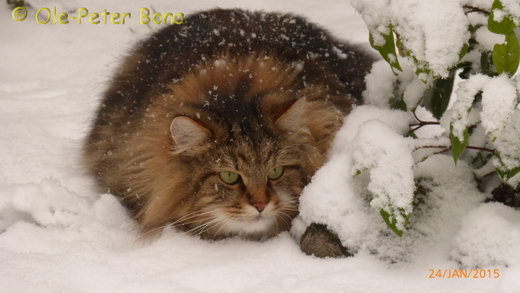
215,126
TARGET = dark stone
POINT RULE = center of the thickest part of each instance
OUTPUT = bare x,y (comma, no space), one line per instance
321,242
506,195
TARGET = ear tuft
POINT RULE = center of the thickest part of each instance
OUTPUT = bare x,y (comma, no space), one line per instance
187,133
292,118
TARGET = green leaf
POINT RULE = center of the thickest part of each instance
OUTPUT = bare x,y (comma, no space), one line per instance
507,56
387,50
505,174
458,147
437,97
441,94
486,63
401,49
472,28
412,135
398,103
391,221
508,174
422,68
358,172
463,51
505,26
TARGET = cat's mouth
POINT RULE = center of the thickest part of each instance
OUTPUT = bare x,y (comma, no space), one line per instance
257,224
249,222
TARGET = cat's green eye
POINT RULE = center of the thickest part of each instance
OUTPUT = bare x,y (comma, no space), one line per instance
275,173
229,177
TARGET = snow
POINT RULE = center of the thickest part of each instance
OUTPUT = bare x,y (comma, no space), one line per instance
498,113
421,25
413,93
379,85
58,234
387,156
500,226
375,16
512,7
458,116
382,85
505,144
498,103
488,39
344,204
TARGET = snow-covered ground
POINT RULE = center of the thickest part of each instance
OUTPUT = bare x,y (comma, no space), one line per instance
58,235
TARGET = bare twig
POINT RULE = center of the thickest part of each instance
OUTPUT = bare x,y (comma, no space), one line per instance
447,148
469,9
421,123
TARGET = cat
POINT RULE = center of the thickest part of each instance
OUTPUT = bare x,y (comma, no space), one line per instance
216,125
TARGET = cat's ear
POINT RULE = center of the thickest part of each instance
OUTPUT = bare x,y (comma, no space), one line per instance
187,133
292,118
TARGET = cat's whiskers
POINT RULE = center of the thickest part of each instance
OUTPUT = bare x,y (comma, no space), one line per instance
288,206
278,218
208,216
282,215
276,222
290,209
205,222
198,230
220,228
221,221
189,216
184,220
152,231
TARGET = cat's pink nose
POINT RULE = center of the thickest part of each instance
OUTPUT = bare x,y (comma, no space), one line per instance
260,206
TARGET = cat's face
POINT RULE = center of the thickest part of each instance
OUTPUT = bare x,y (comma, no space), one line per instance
247,184
244,138
248,188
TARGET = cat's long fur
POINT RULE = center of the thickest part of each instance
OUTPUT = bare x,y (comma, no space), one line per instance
260,90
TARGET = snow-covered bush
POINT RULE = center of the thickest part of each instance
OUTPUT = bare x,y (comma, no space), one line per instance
451,65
